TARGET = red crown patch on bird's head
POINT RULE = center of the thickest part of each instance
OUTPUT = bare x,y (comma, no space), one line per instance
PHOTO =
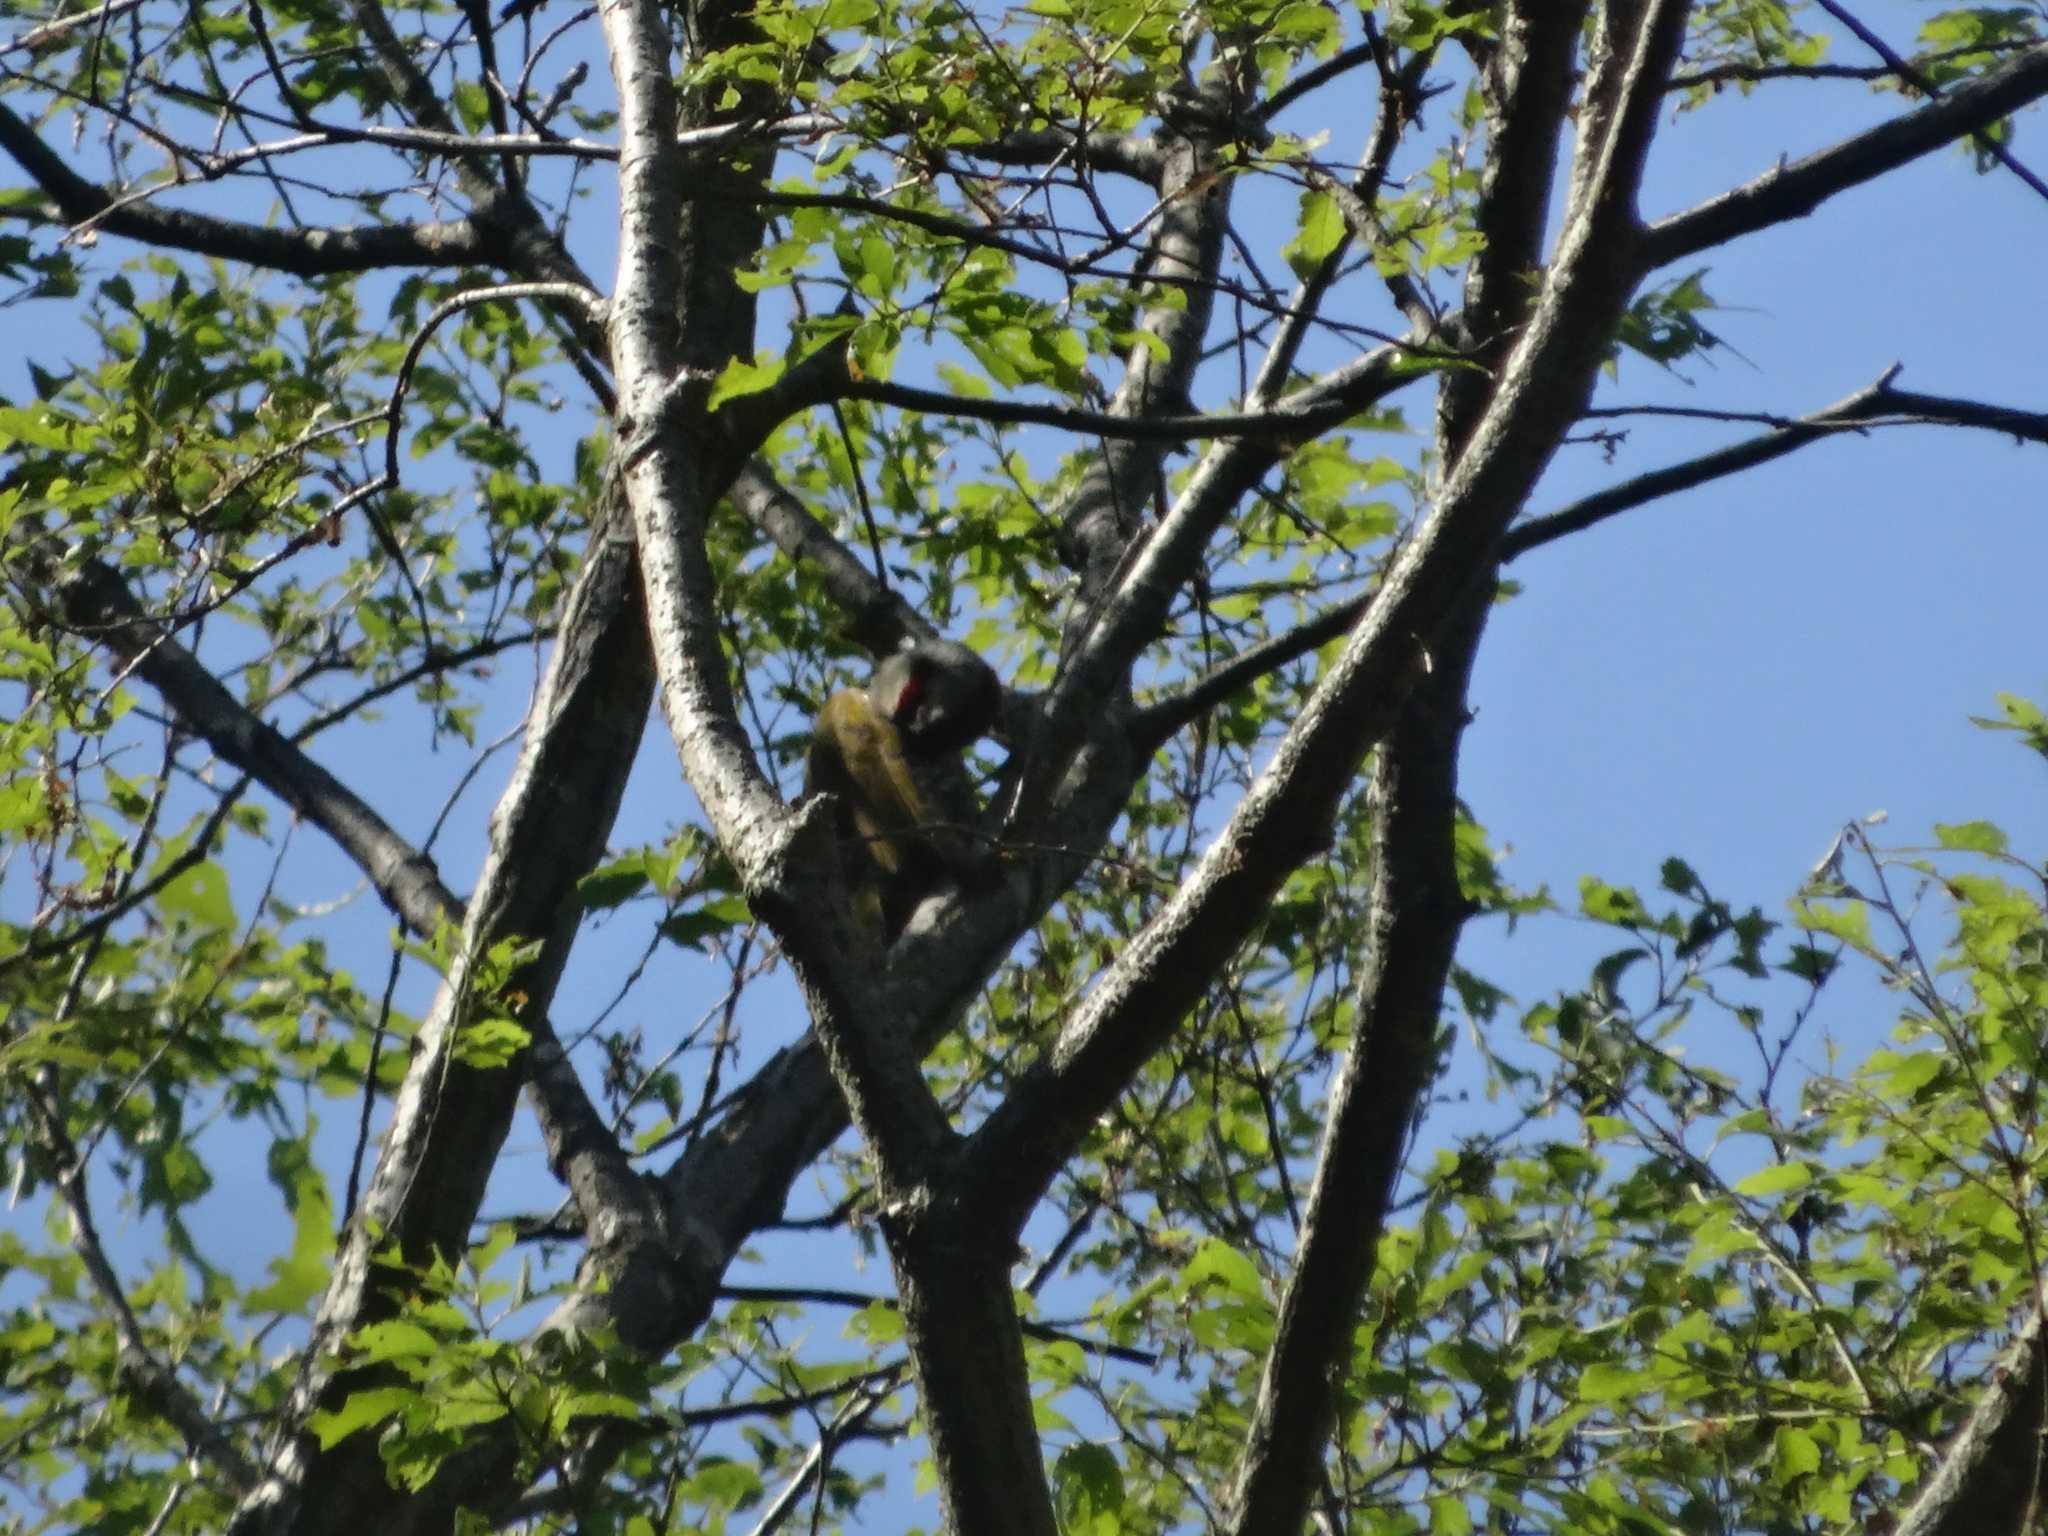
908,697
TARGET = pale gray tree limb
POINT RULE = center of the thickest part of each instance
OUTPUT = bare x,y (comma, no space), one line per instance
1416,915
1547,378
451,1117
1989,1476
1794,190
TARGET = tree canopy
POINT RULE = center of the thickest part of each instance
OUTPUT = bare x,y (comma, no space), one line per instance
426,393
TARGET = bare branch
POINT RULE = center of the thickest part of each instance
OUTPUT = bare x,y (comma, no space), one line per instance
1875,405
1990,1473
1417,914
98,602
1922,82
451,1117
145,1372
454,145
1148,988
1290,421
1601,505
1794,191
415,91
1340,63
588,304
302,252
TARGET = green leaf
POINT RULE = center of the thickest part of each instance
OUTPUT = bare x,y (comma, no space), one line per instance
1611,1383
197,898
1218,1262
1971,837
1321,230
2022,716
972,386
397,1339
878,1323
299,1277
472,105
1717,1238
741,378
1616,904
492,1042
1848,921
1088,1487
1777,1179
1794,1453
612,885
1449,1516
359,1410
878,264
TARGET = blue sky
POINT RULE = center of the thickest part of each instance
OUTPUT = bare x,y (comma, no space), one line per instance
1728,675
1732,673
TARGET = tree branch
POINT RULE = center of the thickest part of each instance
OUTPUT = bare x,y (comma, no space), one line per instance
1989,1477
1922,82
1147,990
1288,422
1156,722
1127,155
451,1117
1401,94
1527,84
1757,73
582,1151
301,252
1338,64
877,616
1794,191
94,599
141,1368
960,1322
1875,405
1416,916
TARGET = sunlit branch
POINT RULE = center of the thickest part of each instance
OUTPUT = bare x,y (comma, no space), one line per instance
301,252
1919,79
876,614
1876,405
62,26
1742,72
1795,190
153,1380
1294,419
